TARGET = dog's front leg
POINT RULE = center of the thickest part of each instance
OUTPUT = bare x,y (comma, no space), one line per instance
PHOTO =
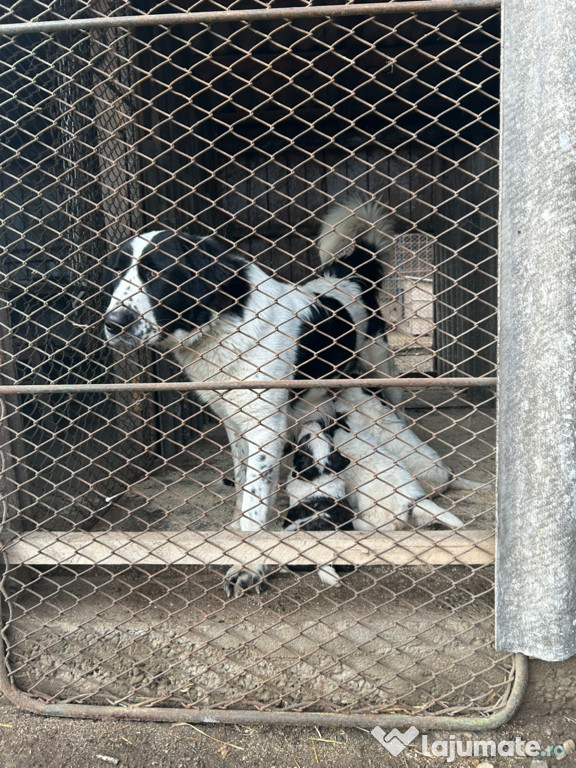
238,452
263,452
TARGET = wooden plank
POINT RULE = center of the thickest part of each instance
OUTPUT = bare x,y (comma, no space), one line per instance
227,547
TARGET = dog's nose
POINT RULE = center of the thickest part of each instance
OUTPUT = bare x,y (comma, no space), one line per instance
119,320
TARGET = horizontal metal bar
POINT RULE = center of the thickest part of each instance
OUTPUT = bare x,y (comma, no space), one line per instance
249,15
399,548
191,386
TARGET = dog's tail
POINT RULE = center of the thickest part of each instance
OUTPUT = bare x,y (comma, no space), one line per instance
356,242
356,237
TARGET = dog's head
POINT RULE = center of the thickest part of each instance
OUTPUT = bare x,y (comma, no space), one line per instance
163,285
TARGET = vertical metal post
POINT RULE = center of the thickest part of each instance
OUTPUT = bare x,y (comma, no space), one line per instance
536,557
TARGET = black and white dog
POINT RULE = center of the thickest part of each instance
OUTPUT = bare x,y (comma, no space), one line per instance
363,469
224,318
320,498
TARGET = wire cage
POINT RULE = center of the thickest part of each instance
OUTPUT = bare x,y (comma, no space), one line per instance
243,124
409,306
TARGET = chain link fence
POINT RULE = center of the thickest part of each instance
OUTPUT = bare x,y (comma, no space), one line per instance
118,486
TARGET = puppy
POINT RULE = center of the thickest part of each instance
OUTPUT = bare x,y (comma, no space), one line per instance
350,473
319,496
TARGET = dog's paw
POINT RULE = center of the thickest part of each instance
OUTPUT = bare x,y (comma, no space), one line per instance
241,579
329,575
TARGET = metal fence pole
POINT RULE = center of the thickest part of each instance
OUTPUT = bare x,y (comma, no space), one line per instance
536,557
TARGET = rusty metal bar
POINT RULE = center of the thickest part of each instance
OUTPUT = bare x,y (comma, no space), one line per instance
248,15
319,719
191,386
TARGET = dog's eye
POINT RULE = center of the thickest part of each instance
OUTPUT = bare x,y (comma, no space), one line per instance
147,273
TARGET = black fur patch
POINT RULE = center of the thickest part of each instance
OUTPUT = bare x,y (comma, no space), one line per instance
327,343
340,422
334,514
336,462
191,280
305,464
362,264
377,326
364,268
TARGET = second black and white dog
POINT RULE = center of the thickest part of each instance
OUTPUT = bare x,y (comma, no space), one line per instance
223,318
362,468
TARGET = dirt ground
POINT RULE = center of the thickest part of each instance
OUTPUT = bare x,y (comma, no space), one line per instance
389,638
31,741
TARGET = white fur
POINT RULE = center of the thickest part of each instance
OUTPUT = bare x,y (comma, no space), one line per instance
380,483
387,496
343,225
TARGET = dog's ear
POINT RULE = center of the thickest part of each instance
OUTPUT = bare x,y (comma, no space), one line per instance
305,464
197,269
212,249
233,291
337,462
200,252
223,277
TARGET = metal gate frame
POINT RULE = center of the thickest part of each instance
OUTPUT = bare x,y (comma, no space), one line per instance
44,547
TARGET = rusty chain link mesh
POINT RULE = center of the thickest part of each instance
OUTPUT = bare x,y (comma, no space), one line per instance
117,501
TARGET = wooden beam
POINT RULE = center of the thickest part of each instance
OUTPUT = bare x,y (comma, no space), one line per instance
227,547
